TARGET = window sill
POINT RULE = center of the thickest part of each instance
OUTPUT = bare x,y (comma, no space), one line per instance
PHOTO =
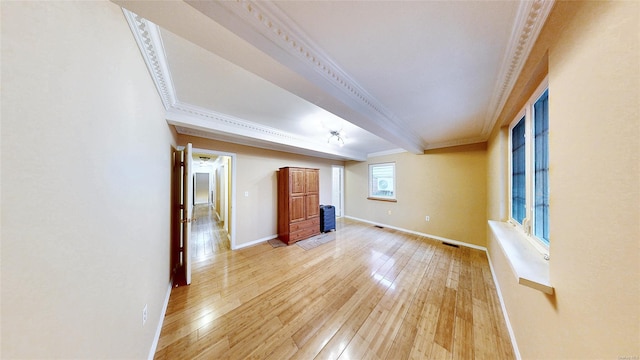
529,266
382,199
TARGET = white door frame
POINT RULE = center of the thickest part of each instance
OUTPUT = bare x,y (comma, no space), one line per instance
341,189
232,239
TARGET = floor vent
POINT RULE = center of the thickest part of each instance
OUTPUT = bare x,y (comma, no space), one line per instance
452,245
379,227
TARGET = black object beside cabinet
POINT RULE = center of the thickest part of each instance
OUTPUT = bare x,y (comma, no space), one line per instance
327,218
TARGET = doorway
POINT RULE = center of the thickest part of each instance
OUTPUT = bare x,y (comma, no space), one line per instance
337,189
214,203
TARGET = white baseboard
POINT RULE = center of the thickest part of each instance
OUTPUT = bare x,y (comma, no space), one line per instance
493,274
254,242
450,241
156,338
504,310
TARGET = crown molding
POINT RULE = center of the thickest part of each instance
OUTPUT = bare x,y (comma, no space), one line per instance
530,19
387,152
233,138
264,25
147,35
458,142
204,122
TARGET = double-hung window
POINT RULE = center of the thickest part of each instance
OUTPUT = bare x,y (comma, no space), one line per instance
529,168
382,179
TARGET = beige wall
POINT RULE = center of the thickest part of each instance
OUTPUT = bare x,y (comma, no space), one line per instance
448,185
257,214
86,169
594,91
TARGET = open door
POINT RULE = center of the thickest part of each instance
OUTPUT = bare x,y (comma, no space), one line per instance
188,211
184,214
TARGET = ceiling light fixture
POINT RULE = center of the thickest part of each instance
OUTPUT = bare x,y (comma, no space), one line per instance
204,160
337,137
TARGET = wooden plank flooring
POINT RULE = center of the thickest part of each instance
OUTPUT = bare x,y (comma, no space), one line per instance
207,235
370,294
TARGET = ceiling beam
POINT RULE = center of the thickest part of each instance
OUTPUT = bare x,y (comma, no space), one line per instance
267,28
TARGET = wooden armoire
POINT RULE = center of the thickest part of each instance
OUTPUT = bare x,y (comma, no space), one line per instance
298,203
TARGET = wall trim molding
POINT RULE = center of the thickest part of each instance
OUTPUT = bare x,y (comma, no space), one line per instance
156,338
271,30
461,243
178,113
388,152
512,335
207,124
435,237
275,28
147,36
530,19
255,242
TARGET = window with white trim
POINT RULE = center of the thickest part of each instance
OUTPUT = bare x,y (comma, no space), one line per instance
382,181
529,168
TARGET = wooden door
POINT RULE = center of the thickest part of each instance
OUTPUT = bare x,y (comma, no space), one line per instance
297,181
312,193
312,181
181,261
188,212
312,205
296,208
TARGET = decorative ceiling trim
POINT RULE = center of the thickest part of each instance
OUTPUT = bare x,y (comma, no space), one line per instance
197,118
206,121
388,152
268,146
227,123
266,19
147,35
457,142
187,128
530,19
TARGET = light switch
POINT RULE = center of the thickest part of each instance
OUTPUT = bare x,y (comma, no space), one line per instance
246,194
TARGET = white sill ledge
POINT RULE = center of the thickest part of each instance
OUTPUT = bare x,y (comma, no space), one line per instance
529,266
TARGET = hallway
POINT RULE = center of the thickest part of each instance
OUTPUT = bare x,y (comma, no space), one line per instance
208,236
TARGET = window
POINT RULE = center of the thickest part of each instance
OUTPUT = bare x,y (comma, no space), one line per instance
382,180
518,188
529,168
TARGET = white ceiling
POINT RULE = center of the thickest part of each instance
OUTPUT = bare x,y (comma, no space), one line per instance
411,75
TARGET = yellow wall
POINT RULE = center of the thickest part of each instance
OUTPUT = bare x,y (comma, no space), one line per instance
594,100
448,185
257,214
86,185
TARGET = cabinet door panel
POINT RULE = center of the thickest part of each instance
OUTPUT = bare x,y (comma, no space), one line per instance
312,181
296,208
297,181
313,205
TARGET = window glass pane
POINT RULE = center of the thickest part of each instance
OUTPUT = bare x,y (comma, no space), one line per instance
541,165
518,184
382,181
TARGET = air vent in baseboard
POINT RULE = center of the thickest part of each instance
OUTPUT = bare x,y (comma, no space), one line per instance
449,244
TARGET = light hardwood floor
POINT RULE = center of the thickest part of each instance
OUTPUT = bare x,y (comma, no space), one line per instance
208,237
370,294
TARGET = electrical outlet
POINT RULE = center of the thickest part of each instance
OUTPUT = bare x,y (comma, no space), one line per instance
426,218
389,212
144,315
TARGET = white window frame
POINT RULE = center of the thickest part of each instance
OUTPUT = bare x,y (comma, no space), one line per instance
527,224
393,197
